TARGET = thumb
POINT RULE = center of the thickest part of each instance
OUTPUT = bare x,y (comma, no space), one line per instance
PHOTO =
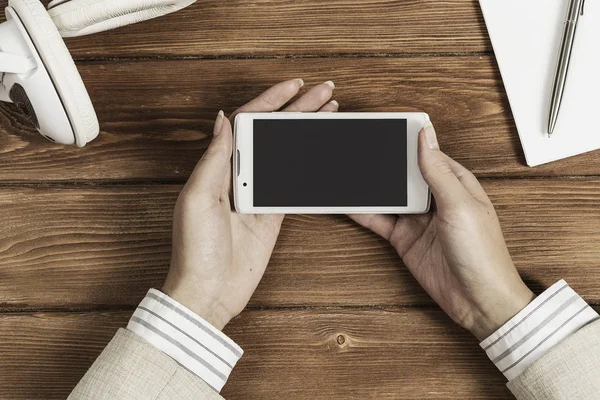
437,172
210,173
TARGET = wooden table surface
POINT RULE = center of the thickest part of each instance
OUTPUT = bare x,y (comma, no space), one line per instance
85,232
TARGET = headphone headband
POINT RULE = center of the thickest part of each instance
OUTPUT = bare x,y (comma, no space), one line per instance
84,17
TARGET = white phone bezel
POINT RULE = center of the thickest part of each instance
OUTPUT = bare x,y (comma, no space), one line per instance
418,191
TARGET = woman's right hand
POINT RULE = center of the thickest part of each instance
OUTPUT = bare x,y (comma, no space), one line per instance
456,252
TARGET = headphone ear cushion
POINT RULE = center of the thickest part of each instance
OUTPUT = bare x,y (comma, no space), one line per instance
84,17
60,66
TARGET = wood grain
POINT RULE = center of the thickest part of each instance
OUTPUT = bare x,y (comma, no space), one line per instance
97,247
155,115
212,28
293,354
336,315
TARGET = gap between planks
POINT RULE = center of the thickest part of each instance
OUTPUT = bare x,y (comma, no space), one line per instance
284,56
118,308
55,310
69,184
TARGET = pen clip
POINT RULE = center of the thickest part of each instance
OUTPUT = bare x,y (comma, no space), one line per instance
582,7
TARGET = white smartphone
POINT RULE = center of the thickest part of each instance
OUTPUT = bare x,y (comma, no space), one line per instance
328,163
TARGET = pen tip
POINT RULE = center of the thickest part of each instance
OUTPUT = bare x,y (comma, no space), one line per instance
551,129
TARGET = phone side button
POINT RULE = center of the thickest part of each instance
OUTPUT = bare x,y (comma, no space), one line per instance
238,163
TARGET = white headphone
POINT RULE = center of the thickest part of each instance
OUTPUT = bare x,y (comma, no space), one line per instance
83,17
37,72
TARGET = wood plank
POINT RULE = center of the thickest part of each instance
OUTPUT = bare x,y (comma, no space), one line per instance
317,354
156,115
101,247
309,27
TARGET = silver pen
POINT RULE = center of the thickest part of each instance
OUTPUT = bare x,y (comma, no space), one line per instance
566,48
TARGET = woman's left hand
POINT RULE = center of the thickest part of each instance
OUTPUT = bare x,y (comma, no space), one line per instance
219,256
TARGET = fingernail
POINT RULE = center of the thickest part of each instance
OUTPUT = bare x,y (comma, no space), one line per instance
430,136
300,82
335,103
218,123
330,84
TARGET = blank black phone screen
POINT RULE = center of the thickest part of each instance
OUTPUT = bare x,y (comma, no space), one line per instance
330,163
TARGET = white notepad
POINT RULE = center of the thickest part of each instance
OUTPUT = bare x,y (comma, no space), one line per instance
526,35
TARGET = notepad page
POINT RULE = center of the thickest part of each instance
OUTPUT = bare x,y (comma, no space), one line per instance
526,36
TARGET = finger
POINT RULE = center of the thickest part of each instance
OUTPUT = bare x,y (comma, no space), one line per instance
434,165
226,188
273,98
332,106
469,181
314,99
210,173
383,225
401,231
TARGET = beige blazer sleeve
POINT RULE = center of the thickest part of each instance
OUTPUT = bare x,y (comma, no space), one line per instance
129,368
570,370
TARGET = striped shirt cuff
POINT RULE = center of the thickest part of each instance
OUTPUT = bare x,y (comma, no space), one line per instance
181,334
546,321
